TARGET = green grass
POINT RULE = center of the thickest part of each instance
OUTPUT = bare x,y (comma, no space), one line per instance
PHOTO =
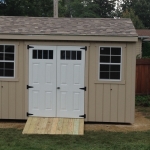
144,110
12,139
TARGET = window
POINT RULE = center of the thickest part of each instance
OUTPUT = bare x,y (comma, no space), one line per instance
110,63
70,55
42,54
7,60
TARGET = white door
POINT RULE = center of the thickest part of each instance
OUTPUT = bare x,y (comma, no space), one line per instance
56,74
70,78
42,76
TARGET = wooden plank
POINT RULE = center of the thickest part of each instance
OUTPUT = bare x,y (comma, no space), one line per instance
65,126
121,103
76,127
114,103
143,61
32,126
54,126
12,100
99,102
27,125
43,125
59,126
38,126
48,126
5,100
106,103
92,66
81,127
70,126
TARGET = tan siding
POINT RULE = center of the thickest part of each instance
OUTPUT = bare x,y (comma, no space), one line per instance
121,103
99,102
92,102
5,100
12,100
128,82
106,103
114,103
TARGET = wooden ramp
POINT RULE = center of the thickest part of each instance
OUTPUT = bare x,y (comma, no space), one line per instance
40,125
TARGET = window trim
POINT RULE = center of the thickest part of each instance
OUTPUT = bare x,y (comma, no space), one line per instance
109,80
14,61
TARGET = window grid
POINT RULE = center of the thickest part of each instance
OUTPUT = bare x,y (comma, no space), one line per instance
110,63
42,54
7,56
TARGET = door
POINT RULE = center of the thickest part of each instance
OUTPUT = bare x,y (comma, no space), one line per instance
56,74
42,76
70,78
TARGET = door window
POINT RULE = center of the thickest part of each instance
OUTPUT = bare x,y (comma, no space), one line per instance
42,54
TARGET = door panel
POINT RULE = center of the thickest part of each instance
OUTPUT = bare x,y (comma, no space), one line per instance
42,76
70,78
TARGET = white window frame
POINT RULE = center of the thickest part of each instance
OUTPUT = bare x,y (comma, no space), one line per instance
3,77
110,64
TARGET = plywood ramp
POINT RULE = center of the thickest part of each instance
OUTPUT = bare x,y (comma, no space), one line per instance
41,125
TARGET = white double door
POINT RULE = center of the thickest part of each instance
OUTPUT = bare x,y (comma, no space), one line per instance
56,74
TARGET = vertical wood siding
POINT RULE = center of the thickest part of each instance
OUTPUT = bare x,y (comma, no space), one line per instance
142,76
113,102
12,92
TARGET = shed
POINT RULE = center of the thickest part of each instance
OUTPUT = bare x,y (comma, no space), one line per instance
143,36
67,67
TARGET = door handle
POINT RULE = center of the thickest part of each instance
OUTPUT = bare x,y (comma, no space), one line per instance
58,88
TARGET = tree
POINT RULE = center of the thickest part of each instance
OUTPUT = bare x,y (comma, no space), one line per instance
135,19
141,9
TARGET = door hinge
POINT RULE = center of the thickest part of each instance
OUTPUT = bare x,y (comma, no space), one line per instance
83,116
28,46
85,48
83,88
28,114
29,86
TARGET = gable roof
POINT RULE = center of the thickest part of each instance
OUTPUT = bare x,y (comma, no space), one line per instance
66,26
143,32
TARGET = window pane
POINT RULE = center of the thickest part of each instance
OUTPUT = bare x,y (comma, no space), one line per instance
114,75
9,48
1,72
68,55
105,50
45,54
9,73
114,67
115,59
1,56
105,59
73,57
1,48
63,56
50,54
9,56
39,54
34,54
104,75
104,67
115,51
1,65
9,65
78,55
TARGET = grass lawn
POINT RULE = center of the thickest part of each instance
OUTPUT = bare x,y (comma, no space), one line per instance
145,111
12,139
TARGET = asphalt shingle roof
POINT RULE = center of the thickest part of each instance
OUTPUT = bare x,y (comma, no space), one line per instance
66,26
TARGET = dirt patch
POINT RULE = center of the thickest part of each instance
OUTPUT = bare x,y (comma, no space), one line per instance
141,124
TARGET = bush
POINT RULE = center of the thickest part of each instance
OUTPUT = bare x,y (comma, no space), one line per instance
143,100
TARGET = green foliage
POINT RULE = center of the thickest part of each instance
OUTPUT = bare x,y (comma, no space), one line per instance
141,9
143,100
12,139
146,49
129,13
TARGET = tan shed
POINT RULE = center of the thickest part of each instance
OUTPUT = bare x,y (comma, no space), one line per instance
68,67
